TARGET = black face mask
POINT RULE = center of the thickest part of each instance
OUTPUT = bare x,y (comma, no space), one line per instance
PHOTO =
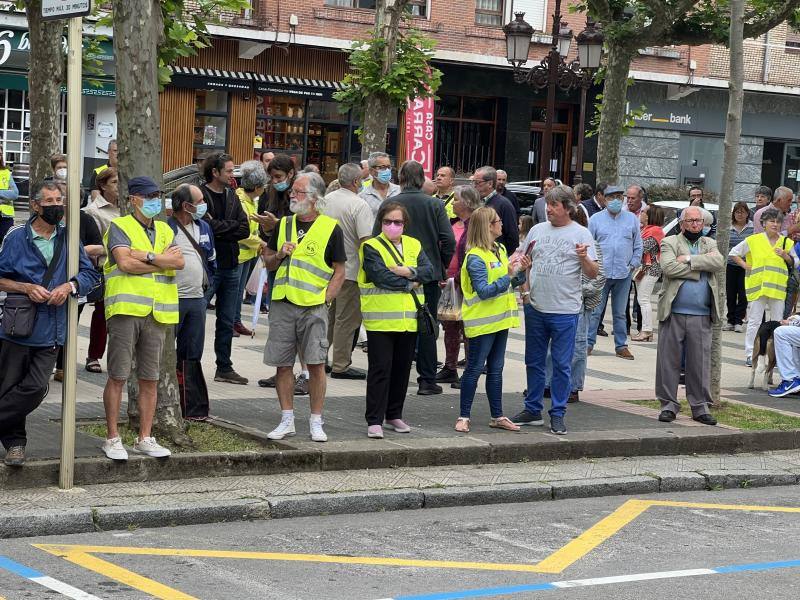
693,236
52,214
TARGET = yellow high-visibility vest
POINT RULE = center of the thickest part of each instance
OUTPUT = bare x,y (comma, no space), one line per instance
140,295
248,247
389,310
768,276
7,206
448,204
494,314
303,277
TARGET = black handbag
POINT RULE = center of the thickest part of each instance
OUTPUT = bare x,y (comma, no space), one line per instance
426,322
19,311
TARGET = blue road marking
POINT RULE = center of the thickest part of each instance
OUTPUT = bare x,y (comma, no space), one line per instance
18,569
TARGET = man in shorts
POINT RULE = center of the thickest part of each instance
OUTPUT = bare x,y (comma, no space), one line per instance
308,253
141,302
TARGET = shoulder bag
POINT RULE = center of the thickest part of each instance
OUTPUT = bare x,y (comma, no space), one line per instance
19,311
426,323
200,252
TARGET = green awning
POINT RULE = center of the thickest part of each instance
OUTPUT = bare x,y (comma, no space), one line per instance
14,81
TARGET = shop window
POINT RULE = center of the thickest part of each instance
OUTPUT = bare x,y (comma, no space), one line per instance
489,12
320,110
417,8
281,124
15,125
210,122
792,42
465,132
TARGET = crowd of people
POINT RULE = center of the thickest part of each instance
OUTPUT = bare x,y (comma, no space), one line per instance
366,259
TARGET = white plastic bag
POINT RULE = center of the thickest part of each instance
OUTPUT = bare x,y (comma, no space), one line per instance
449,308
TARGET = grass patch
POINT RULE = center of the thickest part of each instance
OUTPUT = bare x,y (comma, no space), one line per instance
741,416
207,438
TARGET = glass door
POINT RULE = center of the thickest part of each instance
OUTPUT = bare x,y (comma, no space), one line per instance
326,144
791,170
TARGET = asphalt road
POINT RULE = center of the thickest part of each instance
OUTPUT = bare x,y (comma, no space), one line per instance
684,551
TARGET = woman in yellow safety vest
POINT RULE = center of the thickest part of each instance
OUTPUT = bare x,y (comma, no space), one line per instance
489,310
393,269
767,260
254,182
8,193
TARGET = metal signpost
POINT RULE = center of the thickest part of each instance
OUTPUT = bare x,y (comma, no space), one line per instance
72,10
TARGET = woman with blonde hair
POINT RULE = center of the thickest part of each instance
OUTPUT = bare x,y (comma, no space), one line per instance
489,310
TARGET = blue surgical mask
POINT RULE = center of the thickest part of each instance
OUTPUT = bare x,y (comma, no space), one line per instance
281,186
706,230
385,176
151,207
614,206
200,211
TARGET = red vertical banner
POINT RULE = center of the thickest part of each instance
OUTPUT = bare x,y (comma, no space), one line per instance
419,133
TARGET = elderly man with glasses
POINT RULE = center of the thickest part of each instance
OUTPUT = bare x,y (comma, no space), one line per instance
485,182
689,303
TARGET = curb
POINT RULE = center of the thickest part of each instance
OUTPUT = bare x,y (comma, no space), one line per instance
33,523
360,454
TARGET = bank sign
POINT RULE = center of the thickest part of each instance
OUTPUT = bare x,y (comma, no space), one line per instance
662,117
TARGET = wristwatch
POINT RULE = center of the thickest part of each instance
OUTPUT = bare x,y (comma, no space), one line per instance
150,258
74,287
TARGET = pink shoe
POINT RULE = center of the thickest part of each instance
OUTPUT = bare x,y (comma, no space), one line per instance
375,431
398,425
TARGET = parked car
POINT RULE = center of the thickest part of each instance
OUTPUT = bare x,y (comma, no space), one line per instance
673,209
527,193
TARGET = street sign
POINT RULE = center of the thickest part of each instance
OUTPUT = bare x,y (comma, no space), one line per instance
65,9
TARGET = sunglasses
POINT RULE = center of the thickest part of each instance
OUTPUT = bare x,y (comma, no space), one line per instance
398,222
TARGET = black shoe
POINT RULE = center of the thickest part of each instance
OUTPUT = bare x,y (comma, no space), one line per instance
447,375
230,377
456,385
705,419
573,397
602,333
269,382
666,416
527,418
462,363
350,373
546,393
557,425
15,456
328,368
429,389
682,379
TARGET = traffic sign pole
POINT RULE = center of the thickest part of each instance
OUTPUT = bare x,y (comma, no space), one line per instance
74,166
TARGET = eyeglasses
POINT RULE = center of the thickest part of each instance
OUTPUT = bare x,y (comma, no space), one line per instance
693,221
397,222
496,221
153,195
382,167
477,182
298,193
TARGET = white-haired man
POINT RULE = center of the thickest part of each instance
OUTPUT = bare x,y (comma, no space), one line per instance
309,256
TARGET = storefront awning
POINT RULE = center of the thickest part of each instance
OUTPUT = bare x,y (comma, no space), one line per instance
245,81
19,81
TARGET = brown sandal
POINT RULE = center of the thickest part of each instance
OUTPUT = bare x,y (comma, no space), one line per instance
503,423
462,425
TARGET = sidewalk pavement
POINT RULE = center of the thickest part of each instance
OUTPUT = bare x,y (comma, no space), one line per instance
214,499
602,424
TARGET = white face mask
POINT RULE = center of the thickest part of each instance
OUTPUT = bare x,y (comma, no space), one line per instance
61,173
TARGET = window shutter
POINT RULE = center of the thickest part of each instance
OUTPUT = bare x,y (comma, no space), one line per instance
534,13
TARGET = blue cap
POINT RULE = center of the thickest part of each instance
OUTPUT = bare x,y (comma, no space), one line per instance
142,186
614,189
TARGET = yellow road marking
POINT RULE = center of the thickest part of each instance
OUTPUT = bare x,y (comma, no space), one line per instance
593,537
555,563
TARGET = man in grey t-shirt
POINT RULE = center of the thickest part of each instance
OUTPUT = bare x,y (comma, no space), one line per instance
560,251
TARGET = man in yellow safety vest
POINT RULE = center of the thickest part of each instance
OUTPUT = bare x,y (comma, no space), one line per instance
8,193
141,302
309,256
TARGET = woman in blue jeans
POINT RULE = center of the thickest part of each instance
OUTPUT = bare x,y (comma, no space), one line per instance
489,310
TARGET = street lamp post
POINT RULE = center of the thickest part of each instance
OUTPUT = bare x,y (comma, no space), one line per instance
553,73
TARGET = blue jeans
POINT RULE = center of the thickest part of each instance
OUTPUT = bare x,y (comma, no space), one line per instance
190,333
225,284
246,268
489,350
620,290
578,371
556,331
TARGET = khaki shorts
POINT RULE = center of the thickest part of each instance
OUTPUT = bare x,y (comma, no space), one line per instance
296,331
142,337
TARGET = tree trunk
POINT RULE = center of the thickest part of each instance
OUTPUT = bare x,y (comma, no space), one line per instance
612,112
733,132
377,110
46,75
138,31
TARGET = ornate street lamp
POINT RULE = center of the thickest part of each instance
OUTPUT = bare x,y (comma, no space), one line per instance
554,73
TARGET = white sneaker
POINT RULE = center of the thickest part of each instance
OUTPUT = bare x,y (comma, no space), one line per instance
317,433
114,449
727,327
151,447
738,328
284,429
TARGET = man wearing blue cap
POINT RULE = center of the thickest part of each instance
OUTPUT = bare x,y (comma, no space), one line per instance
141,302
